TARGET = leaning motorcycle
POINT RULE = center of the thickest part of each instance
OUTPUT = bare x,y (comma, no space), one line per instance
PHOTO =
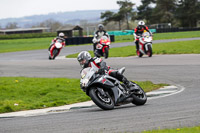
107,92
145,45
55,49
102,48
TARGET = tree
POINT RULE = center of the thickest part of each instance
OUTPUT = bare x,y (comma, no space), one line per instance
117,17
50,23
126,10
164,11
12,25
145,10
107,16
188,12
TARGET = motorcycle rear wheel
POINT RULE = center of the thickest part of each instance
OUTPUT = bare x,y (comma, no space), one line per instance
139,97
105,103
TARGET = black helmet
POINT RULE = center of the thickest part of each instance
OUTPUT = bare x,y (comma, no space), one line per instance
83,58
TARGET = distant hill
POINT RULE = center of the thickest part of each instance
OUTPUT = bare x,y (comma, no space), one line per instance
73,17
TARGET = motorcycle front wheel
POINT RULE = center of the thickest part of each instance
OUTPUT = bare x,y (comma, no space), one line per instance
149,52
104,102
106,53
55,53
139,96
139,53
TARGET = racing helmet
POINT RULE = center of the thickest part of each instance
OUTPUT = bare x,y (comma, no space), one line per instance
62,35
140,24
83,58
100,26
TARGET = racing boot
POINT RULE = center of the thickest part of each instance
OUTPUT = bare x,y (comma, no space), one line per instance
128,84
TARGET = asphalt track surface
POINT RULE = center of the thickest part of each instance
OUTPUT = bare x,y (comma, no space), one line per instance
175,111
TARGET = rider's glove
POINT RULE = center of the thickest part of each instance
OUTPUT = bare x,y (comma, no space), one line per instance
101,71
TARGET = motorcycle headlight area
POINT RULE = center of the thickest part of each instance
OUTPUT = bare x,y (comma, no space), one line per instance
84,82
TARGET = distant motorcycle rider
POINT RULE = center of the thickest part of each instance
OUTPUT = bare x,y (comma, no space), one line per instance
85,60
139,31
98,34
60,36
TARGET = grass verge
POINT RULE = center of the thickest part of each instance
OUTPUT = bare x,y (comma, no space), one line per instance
177,130
24,44
22,93
182,47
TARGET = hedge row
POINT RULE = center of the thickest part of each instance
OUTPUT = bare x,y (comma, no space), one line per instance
27,35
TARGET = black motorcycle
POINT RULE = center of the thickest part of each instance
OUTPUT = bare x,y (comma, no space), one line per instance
107,92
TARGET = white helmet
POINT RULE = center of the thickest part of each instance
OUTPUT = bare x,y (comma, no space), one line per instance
61,35
141,23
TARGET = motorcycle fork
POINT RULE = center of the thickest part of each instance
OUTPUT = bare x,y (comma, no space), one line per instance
103,49
102,92
141,48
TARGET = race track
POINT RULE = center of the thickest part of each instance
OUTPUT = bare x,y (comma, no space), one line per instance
182,109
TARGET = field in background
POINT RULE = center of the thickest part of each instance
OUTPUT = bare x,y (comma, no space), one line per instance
43,43
161,36
181,47
24,44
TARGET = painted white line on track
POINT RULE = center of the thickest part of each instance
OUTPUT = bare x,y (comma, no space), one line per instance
179,90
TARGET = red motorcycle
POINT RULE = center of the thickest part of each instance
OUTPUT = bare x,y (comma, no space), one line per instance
145,45
55,49
102,48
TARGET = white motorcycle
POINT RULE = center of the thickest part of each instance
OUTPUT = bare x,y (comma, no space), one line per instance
145,45
55,49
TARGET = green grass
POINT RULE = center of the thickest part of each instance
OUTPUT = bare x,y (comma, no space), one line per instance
14,45
22,93
182,47
24,44
161,36
177,130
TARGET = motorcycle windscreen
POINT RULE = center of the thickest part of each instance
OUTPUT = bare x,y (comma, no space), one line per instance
86,74
58,45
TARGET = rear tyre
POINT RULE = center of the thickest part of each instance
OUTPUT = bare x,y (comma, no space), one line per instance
139,96
149,52
104,102
106,53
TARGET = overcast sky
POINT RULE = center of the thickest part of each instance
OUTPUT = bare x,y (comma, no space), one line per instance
20,8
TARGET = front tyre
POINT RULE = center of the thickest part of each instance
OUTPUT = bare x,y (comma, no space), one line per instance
149,52
104,102
55,53
139,96
106,53
139,53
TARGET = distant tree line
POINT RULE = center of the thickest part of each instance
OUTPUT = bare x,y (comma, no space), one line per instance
180,13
